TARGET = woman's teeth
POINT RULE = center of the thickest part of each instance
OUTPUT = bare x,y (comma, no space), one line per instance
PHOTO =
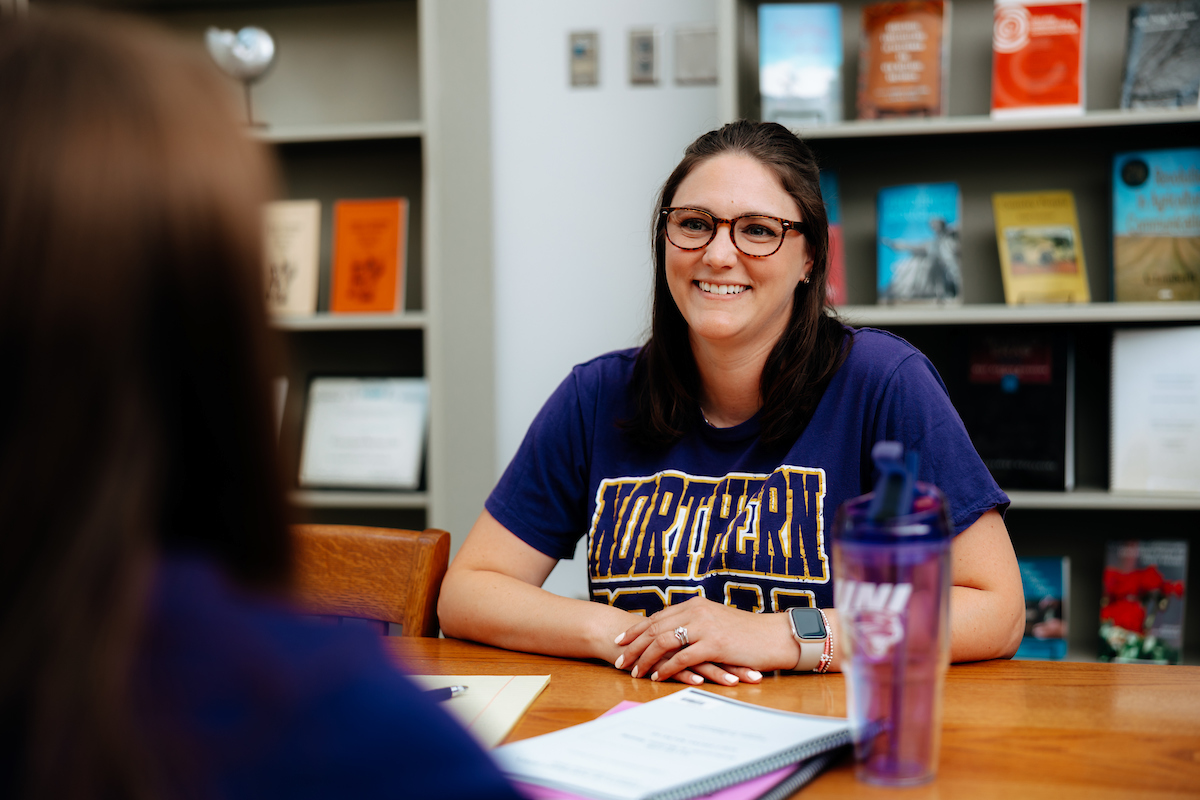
720,288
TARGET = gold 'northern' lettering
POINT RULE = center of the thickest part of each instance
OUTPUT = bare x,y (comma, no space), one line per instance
672,526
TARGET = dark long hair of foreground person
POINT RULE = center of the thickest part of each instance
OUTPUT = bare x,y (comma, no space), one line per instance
666,383
135,413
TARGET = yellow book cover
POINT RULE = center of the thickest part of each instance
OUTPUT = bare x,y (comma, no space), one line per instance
1041,253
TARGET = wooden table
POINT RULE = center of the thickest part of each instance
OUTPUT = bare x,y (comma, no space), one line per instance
1011,729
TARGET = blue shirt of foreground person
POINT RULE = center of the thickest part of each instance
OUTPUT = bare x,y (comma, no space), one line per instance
260,704
146,652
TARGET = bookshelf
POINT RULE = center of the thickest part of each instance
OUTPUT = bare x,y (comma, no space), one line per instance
985,156
383,98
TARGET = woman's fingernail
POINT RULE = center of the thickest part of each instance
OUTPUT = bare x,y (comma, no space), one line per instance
654,676
754,675
697,679
731,679
620,660
620,638
633,672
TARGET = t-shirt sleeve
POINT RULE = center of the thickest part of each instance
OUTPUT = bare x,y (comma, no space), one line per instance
542,496
915,410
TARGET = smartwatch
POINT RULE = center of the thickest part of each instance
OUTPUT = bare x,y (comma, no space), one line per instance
808,629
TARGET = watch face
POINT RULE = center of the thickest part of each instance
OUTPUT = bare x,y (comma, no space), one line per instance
808,622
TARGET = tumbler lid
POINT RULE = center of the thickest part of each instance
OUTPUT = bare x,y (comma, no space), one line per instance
929,519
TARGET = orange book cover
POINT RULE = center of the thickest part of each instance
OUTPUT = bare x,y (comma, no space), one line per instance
902,59
1038,58
368,255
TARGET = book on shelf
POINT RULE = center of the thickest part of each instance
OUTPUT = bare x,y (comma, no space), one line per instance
1155,414
1047,583
918,254
369,240
364,433
291,241
1016,401
688,744
800,63
1156,225
903,59
1041,251
835,290
1141,608
1162,56
1038,57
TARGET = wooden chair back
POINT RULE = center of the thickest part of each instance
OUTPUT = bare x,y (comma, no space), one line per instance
382,574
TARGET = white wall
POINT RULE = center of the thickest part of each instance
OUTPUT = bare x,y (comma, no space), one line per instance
575,175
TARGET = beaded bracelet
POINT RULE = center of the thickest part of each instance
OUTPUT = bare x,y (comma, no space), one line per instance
827,656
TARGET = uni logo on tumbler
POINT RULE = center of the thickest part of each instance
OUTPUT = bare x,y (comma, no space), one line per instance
876,610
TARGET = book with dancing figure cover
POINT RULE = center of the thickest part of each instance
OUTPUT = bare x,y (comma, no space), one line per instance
1038,58
800,63
1141,609
1162,56
918,255
1016,400
904,58
835,291
1047,583
369,239
1156,225
291,239
1041,251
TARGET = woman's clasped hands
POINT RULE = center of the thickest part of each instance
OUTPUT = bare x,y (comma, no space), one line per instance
702,640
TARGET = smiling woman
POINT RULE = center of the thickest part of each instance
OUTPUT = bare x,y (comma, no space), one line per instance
705,466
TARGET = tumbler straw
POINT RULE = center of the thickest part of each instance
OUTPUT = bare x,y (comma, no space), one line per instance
893,498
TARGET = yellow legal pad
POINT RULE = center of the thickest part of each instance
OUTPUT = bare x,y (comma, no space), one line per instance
492,704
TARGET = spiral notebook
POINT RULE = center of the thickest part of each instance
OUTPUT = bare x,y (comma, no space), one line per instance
685,745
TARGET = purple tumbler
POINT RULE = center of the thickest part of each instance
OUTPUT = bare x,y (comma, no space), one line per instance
891,567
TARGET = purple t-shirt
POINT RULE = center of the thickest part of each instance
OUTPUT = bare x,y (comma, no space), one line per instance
717,514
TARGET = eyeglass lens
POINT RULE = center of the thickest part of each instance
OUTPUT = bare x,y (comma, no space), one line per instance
691,229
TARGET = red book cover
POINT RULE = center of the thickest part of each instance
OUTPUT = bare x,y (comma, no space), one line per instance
835,289
1038,57
1141,614
835,285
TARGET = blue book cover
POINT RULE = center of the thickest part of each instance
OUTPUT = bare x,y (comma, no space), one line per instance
918,251
1156,225
1047,588
800,63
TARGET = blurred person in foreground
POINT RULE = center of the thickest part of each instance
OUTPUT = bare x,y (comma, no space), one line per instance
147,650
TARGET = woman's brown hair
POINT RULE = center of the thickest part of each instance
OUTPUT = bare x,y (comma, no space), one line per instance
135,416
666,384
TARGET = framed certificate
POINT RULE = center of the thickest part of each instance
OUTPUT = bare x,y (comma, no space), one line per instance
364,433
